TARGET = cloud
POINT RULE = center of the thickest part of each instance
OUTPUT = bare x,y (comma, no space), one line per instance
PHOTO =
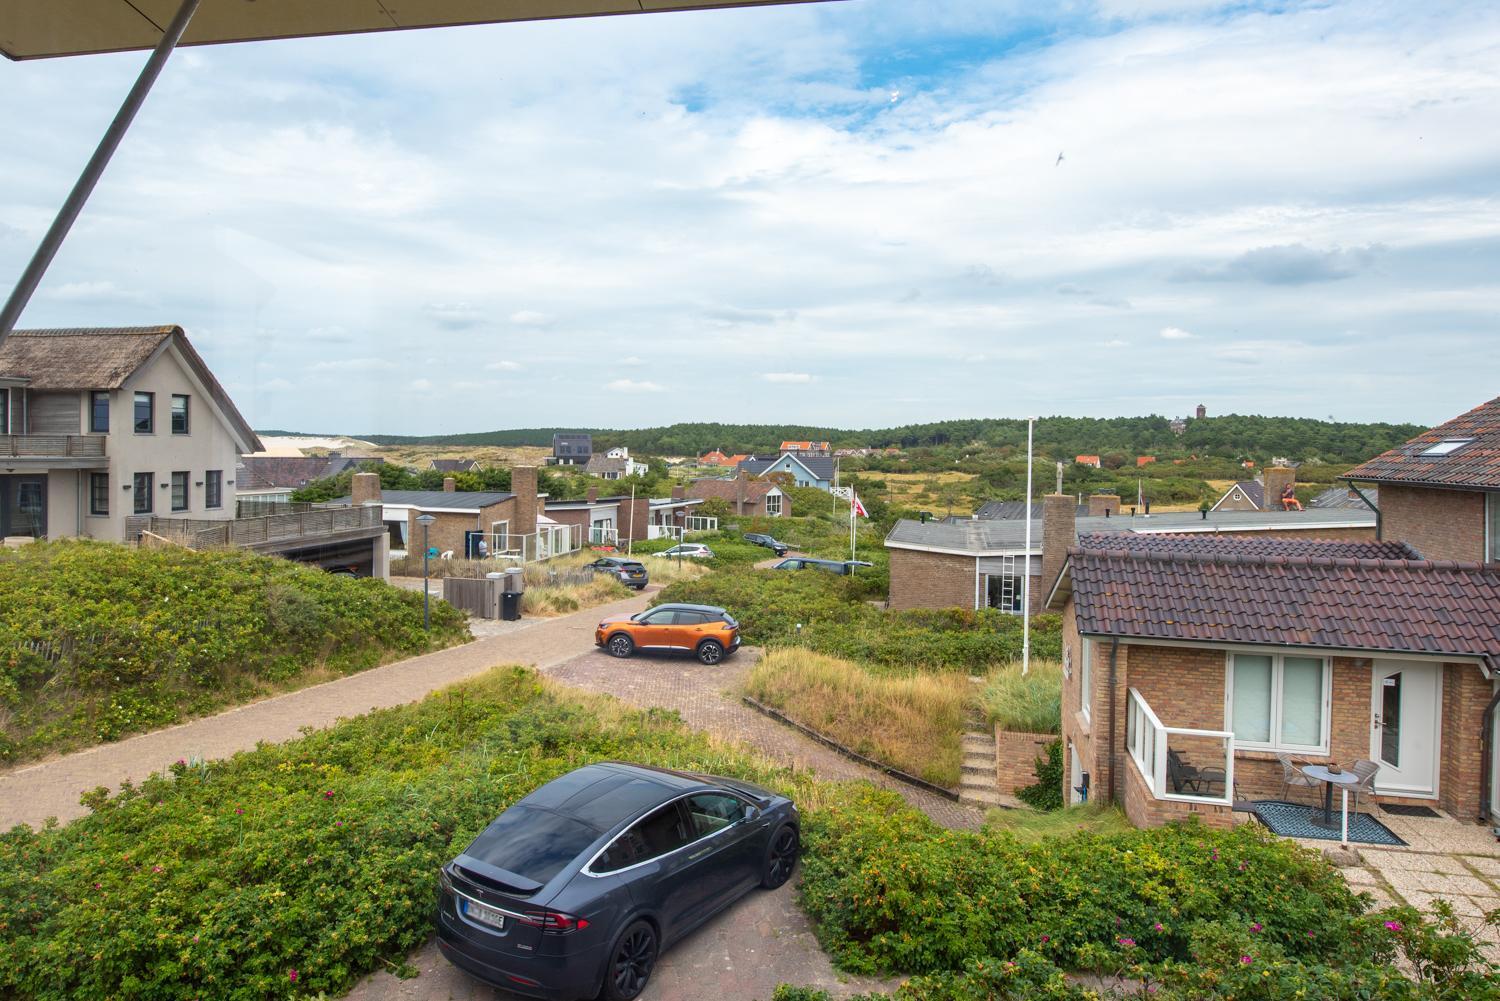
353,365
531,318
1175,334
1116,343
277,385
787,377
630,360
333,334
421,385
454,316
632,386
503,366
102,292
1287,264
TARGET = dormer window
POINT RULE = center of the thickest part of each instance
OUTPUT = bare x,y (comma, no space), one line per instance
1445,447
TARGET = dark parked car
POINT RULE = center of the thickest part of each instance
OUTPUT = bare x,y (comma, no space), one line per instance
841,567
631,573
575,890
755,538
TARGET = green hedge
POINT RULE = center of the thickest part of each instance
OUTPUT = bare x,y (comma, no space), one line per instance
837,619
98,640
319,855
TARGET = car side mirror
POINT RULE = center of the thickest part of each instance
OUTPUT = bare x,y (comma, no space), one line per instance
751,813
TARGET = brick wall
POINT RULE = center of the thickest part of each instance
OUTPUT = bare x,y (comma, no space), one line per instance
1276,479
931,580
1059,532
1101,505
1145,810
1015,758
523,485
444,534
1439,524
1465,695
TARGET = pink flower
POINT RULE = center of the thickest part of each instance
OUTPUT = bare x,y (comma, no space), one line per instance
1393,925
1045,938
1246,960
328,794
1128,943
238,811
156,868
292,976
195,938
1157,926
1256,926
98,886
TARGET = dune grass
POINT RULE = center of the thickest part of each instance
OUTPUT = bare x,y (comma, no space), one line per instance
1030,703
1034,825
913,722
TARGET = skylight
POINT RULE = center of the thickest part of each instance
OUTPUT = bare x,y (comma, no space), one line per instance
1446,447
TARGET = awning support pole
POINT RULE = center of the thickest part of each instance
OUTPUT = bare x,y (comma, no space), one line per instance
68,214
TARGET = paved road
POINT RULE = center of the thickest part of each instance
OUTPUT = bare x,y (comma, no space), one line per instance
30,794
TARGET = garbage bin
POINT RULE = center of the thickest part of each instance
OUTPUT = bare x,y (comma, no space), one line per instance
510,605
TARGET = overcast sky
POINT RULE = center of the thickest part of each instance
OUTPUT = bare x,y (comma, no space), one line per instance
862,214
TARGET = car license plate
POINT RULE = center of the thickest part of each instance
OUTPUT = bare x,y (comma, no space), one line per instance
483,915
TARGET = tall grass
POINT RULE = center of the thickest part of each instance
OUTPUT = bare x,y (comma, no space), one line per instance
1031,825
1030,703
913,723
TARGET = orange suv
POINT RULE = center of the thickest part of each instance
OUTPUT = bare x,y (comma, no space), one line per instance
706,632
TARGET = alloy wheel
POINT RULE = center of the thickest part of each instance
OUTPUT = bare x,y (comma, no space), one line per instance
621,646
710,653
634,960
782,857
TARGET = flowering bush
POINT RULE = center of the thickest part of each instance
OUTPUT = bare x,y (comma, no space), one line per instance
98,641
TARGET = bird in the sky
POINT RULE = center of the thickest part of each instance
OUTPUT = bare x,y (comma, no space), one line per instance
1059,160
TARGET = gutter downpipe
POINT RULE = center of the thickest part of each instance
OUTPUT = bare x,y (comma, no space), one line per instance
93,170
1487,759
1379,535
1114,649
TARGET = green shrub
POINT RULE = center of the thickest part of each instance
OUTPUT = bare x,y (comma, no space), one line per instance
1047,792
318,855
1029,703
98,641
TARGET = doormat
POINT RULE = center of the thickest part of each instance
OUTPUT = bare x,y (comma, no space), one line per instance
1410,811
1294,820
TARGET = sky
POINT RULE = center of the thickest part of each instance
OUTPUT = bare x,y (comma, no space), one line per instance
861,214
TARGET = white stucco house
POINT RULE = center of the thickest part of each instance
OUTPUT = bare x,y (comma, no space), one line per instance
98,425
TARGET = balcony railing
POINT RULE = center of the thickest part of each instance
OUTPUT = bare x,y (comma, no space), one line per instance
1179,763
199,533
52,446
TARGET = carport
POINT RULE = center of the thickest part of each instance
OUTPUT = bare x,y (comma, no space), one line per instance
38,29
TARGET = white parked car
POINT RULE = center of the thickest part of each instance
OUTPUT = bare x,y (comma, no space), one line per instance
694,550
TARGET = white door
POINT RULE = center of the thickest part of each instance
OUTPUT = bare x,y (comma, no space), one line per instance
1405,714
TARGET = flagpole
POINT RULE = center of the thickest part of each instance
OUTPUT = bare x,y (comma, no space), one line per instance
1026,573
851,525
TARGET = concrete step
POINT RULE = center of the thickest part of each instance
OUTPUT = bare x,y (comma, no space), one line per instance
978,773
980,760
974,744
983,797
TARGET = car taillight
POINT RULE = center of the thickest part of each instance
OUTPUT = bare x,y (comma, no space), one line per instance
553,922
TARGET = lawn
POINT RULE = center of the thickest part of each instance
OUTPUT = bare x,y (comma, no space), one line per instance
913,723
100,641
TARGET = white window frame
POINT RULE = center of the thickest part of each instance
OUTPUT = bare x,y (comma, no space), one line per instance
777,512
1278,658
1085,679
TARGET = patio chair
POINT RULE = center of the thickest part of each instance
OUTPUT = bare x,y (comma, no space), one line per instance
1292,775
1185,776
1366,771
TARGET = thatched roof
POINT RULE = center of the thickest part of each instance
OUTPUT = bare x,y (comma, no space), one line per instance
85,358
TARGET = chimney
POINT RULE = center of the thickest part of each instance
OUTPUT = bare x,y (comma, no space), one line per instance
740,480
592,495
1104,505
679,492
1201,412
523,485
1275,480
449,484
1059,533
366,489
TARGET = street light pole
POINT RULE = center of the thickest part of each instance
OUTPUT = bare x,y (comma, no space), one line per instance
424,520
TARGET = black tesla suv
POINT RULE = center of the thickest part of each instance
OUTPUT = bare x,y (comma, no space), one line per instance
576,889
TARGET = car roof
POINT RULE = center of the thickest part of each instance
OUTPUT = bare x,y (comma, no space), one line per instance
605,794
683,606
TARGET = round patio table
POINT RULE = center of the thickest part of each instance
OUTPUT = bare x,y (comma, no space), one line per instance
1329,780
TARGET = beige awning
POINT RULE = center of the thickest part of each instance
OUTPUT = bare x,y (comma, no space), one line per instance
32,29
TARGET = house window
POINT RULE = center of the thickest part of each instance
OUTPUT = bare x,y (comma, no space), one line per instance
500,531
145,413
213,488
99,412
179,414
141,487
1004,592
179,491
1085,678
773,505
98,493
1492,548
1278,701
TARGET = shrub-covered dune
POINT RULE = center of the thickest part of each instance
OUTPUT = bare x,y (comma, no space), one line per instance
98,641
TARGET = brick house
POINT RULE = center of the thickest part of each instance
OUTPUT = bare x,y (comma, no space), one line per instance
979,563
461,517
1440,492
756,498
806,469
1226,650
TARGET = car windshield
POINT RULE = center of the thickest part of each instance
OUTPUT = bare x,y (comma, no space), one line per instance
532,843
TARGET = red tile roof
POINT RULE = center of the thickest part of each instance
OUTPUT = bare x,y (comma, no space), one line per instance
1316,600
1475,464
1209,544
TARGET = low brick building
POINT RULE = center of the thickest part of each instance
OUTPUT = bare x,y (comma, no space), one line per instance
1325,650
745,496
460,517
980,563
